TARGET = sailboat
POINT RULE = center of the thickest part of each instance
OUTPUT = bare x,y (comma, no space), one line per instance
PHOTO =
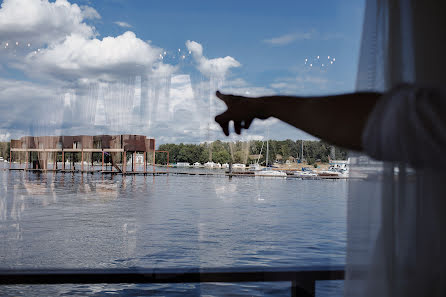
268,171
256,166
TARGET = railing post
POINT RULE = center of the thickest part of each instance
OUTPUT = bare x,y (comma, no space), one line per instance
124,162
307,289
26,160
153,158
133,161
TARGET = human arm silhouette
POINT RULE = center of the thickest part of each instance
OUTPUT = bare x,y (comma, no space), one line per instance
338,119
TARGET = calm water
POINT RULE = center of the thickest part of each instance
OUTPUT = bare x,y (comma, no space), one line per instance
84,221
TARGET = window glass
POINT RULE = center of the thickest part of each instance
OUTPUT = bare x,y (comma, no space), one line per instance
110,156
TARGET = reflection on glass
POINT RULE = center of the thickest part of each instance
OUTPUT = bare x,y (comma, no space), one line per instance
81,83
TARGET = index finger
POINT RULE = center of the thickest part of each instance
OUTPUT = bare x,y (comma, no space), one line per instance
225,98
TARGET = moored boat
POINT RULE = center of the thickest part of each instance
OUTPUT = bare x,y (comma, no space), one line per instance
270,172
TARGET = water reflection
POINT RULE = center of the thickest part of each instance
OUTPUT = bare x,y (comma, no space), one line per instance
91,220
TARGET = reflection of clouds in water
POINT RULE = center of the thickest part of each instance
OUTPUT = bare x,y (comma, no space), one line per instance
2,198
107,189
11,210
225,192
98,191
259,195
129,230
56,214
44,190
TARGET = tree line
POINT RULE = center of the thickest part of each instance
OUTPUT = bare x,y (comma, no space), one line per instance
238,152
4,149
249,151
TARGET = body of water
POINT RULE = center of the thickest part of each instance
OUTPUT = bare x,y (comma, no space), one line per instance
78,220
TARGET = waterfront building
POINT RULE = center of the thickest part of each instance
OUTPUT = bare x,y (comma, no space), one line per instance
45,152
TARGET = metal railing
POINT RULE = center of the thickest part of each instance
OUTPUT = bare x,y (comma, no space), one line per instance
303,279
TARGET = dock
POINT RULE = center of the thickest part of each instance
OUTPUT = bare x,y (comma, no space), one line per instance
174,173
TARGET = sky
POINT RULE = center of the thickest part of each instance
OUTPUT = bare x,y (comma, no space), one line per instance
152,67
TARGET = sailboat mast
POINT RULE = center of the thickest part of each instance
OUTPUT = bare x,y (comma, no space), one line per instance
302,151
267,151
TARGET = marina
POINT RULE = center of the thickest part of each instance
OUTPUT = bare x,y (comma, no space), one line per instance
289,175
128,154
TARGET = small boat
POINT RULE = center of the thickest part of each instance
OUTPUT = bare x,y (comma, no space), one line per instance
212,165
333,172
306,174
270,172
254,167
338,168
196,164
239,166
209,165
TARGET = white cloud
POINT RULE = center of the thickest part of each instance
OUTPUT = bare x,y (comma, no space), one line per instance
108,85
169,110
300,83
298,36
210,67
242,88
79,57
65,48
123,24
22,105
6,136
90,13
289,38
40,22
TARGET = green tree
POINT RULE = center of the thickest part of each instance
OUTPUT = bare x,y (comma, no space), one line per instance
221,157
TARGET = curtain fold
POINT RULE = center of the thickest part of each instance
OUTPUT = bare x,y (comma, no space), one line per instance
396,215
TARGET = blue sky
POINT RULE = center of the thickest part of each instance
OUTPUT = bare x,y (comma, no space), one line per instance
239,28
70,65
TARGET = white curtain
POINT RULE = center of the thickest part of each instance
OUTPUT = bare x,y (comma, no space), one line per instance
397,215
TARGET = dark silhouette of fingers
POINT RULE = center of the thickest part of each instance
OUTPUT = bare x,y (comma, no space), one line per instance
225,127
238,127
225,98
223,122
247,123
